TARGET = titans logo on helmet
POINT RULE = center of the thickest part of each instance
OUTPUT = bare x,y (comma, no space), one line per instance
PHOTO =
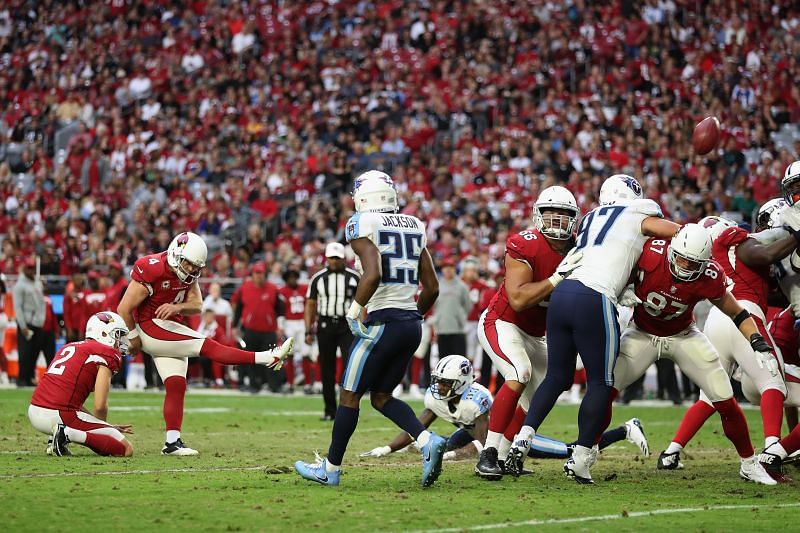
633,184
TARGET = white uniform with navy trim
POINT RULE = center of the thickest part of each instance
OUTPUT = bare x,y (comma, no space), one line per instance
475,401
400,240
611,240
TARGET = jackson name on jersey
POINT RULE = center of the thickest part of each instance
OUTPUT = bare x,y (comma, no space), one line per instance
475,401
400,240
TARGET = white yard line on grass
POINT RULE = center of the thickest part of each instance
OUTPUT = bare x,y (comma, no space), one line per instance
607,517
132,472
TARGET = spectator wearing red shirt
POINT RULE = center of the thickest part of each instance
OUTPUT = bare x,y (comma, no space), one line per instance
118,285
73,311
256,308
95,299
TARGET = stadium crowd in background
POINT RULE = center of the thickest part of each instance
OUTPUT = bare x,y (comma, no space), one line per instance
124,123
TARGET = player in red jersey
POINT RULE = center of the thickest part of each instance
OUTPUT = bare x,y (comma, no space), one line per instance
163,289
746,262
293,325
512,329
78,369
669,279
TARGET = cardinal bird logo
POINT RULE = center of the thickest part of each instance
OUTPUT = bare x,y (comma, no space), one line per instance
183,239
105,318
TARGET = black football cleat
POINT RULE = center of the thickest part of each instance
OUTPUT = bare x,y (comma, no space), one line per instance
488,466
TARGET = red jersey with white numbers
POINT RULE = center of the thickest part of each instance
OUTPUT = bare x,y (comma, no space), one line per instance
294,301
749,283
71,376
476,289
668,303
530,247
162,283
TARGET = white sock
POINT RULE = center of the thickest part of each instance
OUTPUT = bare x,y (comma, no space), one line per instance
750,459
493,440
423,438
776,448
173,435
265,357
331,467
769,441
673,447
525,433
75,435
502,450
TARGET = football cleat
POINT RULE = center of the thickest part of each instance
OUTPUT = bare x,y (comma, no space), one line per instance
773,465
432,456
60,441
752,470
516,457
318,472
280,354
177,448
577,467
525,471
669,461
634,432
488,466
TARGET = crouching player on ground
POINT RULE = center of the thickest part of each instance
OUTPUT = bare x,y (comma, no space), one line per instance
670,278
454,397
78,369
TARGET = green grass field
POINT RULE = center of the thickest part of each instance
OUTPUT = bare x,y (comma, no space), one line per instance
243,479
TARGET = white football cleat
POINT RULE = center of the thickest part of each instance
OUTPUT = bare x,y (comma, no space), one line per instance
751,470
178,448
634,432
577,467
280,354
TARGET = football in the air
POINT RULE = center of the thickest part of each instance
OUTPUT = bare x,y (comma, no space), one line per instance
706,135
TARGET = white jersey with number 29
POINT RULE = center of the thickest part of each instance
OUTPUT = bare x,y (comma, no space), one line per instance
400,240
611,239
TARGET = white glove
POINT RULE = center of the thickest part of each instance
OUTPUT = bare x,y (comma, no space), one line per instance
353,318
629,298
570,262
790,217
380,451
768,361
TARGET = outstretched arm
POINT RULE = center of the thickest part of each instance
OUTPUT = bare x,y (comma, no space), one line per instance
658,227
753,254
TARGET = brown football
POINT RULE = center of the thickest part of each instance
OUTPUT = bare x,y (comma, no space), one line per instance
706,135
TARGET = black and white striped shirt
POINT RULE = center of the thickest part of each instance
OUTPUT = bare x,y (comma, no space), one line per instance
333,291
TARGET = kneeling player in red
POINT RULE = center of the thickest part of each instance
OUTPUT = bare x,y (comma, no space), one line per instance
78,369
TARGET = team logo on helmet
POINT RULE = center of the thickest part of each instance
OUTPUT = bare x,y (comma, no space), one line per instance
465,367
105,318
183,239
633,184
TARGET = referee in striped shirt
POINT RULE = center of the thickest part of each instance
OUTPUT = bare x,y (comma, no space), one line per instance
328,298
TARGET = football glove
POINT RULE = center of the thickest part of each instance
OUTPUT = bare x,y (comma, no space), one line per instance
570,262
380,451
790,218
764,356
629,298
353,318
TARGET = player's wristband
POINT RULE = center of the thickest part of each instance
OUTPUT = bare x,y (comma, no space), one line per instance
555,279
132,334
741,317
758,344
354,312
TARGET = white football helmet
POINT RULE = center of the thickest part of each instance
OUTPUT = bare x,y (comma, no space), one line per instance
108,328
190,248
452,376
372,175
769,214
716,225
558,226
375,194
620,187
692,244
791,178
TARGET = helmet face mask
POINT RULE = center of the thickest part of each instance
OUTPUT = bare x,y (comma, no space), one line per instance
689,252
452,376
555,213
790,184
769,214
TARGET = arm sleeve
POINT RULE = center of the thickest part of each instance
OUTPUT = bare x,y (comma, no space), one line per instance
360,225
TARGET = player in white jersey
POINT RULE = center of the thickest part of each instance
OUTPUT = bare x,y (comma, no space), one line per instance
582,317
455,398
392,253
